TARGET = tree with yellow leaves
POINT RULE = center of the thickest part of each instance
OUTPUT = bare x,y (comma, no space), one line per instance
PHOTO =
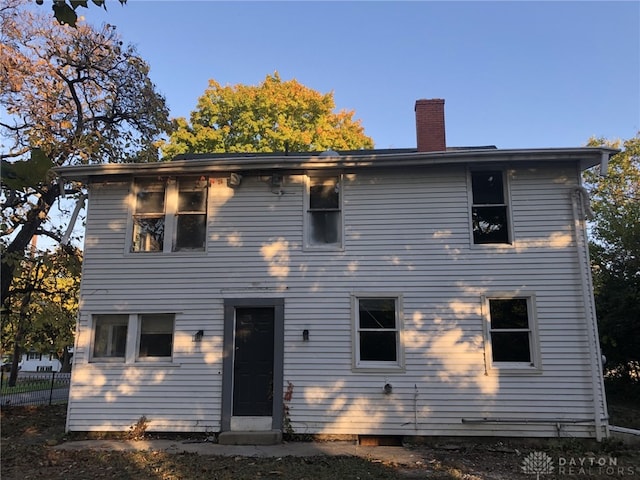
40,313
275,116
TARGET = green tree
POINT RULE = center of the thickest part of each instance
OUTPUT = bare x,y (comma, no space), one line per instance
275,116
615,257
41,310
65,10
69,96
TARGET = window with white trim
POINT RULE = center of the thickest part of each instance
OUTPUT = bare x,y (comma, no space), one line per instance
133,337
489,209
109,337
155,336
324,211
511,339
377,342
170,216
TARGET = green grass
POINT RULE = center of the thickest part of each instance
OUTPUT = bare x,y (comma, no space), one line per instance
29,385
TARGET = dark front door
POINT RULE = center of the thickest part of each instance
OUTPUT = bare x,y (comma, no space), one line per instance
253,362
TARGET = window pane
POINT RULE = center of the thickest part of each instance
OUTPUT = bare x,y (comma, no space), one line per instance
150,201
510,346
509,313
148,234
325,227
377,313
192,201
378,346
191,232
487,188
110,336
156,335
490,225
324,194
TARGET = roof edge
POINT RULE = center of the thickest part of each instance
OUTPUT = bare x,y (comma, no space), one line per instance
586,156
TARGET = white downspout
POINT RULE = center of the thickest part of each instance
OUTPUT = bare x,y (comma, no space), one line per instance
581,211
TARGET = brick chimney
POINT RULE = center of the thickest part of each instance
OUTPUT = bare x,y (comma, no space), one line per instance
430,125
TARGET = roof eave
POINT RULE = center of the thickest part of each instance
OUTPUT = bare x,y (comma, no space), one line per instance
586,156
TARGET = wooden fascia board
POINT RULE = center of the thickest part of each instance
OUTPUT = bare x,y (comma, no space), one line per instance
587,157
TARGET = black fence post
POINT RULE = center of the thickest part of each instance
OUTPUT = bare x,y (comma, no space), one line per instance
1,379
53,377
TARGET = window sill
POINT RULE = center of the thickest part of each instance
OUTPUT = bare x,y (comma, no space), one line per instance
323,248
137,363
514,370
494,246
152,362
378,369
181,253
111,361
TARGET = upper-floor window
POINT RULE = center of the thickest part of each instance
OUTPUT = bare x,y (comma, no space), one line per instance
169,216
324,212
377,342
489,210
510,331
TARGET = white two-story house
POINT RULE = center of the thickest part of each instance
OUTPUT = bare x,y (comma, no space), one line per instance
406,292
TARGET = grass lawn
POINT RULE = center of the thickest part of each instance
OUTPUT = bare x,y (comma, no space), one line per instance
30,385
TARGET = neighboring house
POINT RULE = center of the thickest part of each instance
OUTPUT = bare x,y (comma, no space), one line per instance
39,362
422,291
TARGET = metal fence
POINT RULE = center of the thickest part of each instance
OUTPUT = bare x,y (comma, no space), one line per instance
35,388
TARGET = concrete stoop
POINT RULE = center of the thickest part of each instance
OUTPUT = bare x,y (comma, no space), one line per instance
270,437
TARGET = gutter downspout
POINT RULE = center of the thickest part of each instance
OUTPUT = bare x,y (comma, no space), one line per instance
582,211
604,164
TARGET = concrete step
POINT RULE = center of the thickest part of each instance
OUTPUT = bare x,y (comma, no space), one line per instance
270,437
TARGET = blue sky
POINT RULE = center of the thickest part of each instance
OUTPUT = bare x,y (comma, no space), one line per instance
513,74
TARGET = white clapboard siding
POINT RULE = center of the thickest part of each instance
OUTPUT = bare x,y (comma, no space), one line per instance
406,233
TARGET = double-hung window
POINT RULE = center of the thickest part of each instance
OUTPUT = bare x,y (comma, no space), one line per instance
149,217
110,337
132,337
377,337
489,210
156,336
324,212
511,340
170,216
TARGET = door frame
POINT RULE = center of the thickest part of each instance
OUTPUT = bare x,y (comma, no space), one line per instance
230,305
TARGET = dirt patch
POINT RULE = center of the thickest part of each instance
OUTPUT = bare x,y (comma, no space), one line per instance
28,434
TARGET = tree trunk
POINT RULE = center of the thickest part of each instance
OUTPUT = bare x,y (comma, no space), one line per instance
17,347
13,375
65,361
16,249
